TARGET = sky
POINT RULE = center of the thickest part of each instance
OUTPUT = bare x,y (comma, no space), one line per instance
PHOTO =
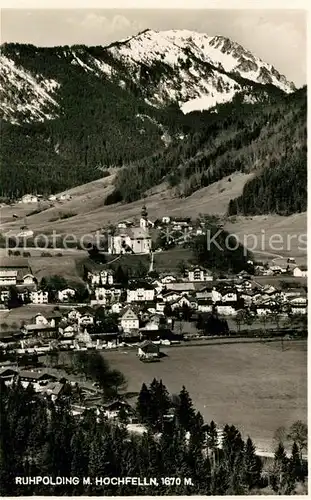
276,36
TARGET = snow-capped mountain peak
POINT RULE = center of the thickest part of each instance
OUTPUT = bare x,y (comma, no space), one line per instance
198,71
194,70
173,46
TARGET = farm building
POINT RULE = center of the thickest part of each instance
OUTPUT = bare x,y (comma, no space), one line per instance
148,350
300,272
29,198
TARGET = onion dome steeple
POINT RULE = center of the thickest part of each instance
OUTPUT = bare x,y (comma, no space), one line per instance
144,212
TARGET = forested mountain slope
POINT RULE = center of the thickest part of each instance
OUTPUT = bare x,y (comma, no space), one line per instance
281,187
98,125
268,139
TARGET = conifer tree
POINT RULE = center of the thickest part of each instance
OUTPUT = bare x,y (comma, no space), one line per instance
159,404
79,462
212,443
233,449
100,460
252,465
279,474
298,433
185,413
143,406
295,466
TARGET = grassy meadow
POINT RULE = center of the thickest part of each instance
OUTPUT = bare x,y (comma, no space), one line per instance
257,387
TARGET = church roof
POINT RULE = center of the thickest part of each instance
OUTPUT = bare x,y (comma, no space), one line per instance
134,233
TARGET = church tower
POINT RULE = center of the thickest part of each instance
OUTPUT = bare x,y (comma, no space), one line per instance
144,218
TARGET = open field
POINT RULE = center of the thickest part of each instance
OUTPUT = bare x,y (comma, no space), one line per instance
169,260
66,266
91,214
256,387
260,230
86,198
15,317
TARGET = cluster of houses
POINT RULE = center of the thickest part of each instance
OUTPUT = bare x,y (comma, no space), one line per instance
145,308
36,198
16,273
197,289
42,382
150,309
82,327
50,386
129,238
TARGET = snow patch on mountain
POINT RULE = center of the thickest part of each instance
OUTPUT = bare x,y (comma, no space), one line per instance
165,137
205,102
94,65
25,97
102,66
77,60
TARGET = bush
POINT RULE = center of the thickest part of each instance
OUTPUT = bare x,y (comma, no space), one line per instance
67,215
114,197
34,212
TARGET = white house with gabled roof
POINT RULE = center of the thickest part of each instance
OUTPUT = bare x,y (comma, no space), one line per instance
129,321
300,272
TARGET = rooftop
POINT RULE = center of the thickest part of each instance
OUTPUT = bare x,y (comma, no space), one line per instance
13,262
133,233
53,388
135,285
129,314
7,371
180,287
38,327
36,375
148,346
85,310
8,272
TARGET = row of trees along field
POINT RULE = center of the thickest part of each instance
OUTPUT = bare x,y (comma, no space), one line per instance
40,438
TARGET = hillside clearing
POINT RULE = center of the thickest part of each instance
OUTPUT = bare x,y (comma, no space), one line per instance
92,214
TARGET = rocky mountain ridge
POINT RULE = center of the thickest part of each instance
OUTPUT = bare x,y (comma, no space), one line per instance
180,67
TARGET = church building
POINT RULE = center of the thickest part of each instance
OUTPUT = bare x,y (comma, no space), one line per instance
132,239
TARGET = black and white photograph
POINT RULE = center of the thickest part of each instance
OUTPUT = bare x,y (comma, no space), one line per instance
153,256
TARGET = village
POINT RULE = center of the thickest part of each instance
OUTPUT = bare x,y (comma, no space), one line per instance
148,301
144,313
